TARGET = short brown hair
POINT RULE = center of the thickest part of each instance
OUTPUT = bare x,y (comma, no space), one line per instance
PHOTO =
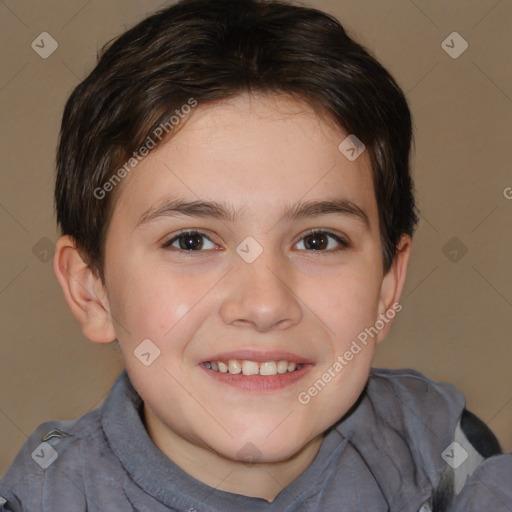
214,50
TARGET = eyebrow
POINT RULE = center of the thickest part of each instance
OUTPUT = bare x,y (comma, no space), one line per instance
174,207
221,211
337,206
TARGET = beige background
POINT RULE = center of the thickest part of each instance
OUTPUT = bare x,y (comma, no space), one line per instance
456,323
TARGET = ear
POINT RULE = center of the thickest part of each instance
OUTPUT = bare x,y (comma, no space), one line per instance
392,286
84,292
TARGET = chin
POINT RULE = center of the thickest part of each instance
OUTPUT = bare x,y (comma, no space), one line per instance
260,450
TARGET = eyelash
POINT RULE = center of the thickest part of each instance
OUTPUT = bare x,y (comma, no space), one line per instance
343,244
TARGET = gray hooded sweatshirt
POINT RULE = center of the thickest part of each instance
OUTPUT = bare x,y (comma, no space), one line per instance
389,453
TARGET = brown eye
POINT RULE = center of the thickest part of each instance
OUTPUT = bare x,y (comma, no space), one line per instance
321,241
316,242
190,241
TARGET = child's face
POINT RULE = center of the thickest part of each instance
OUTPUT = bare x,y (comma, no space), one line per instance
256,168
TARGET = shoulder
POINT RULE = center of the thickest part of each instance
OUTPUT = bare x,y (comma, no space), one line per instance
71,465
432,416
51,455
406,378
411,432
409,389
489,488
400,426
415,391
407,405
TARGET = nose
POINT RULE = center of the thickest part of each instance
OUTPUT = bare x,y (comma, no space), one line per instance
260,295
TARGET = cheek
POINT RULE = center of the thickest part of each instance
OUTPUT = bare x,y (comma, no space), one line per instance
347,302
150,304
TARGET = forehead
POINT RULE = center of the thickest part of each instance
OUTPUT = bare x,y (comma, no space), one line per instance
249,152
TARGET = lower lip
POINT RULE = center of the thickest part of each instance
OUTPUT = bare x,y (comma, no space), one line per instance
259,383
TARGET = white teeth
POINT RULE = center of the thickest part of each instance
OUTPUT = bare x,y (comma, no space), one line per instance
268,368
282,366
250,368
234,366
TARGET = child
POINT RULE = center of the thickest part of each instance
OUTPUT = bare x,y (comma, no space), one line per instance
237,210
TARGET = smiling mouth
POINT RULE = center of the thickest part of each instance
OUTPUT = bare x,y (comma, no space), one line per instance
248,368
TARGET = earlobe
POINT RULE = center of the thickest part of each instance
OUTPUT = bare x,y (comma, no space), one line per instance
84,292
392,286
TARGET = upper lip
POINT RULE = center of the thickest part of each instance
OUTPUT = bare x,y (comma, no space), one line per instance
260,356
